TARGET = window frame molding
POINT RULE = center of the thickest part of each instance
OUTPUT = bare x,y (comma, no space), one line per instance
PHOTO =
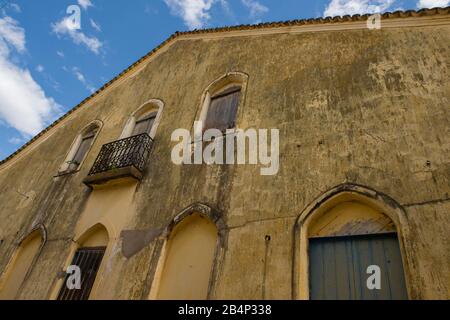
215,88
328,200
64,168
150,106
215,217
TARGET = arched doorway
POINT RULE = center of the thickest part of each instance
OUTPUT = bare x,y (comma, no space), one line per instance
350,248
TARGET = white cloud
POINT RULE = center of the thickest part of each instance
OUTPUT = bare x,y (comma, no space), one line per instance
195,13
351,7
256,8
80,77
433,3
16,140
149,9
5,6
85,4
11,33
226,7
95,25
40,68
15,7
60,54
66,27
23,104
47,77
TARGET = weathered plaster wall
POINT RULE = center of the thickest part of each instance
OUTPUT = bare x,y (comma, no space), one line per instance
360,106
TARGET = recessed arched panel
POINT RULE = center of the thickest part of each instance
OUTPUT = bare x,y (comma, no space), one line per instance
20,265
351,218
97,236
188,260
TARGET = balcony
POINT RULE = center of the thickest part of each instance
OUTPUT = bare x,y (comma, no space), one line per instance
120,160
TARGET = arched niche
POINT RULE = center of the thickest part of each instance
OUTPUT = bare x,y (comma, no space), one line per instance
192,248
21,263
346,212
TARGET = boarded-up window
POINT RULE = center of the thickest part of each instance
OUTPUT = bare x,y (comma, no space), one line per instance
88,260
145,124
86,142
223,109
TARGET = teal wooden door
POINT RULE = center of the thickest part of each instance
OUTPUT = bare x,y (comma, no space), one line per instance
338,268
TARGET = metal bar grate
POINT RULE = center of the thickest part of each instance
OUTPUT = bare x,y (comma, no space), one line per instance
88,260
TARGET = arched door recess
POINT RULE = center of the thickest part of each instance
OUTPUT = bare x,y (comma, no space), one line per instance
341,237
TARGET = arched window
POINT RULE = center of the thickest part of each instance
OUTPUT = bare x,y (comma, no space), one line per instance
187,260
144,124
88,258
144,120
80,148
20,265
350,249
221,101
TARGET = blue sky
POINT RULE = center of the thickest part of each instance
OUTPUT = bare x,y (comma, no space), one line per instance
48,65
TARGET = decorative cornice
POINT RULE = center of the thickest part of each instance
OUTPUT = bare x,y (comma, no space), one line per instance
320,24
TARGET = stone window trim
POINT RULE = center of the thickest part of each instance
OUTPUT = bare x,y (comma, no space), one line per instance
147,108
338,194
65,169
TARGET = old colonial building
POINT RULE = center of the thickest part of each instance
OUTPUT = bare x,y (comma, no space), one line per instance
362,187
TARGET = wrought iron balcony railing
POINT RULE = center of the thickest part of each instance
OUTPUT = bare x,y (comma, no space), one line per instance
121,158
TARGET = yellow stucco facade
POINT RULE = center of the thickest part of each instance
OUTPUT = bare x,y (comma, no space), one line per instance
363,117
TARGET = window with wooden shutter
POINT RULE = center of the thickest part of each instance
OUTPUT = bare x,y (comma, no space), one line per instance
86,142
223,109
145,124
88,260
